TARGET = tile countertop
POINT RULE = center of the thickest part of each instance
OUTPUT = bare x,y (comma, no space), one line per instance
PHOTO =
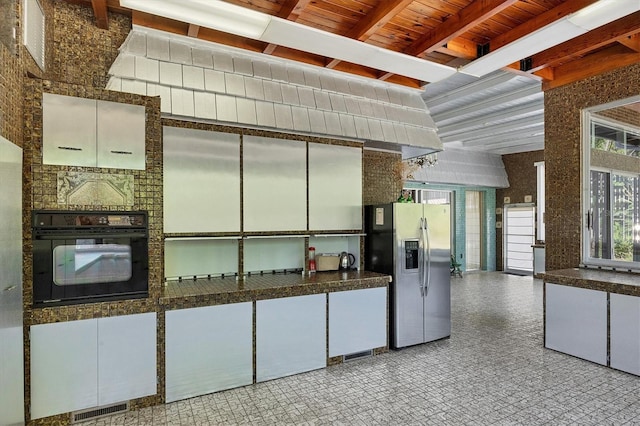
217,291
596,279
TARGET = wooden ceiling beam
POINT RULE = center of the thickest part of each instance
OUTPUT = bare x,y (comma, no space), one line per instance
100,12
632,42
581,45
459,48
377,18
546,18
591,65
193,30
456,25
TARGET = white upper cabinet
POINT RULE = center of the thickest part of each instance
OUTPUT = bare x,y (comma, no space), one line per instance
274,184
335,187
90,133
121,135
201,181
68,130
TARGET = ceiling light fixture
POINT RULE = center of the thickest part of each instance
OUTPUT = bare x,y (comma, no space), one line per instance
222,16
578,23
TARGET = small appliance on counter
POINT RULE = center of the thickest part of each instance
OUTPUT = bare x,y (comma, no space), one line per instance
347,260
327,262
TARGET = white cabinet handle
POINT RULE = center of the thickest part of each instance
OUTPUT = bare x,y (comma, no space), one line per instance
11,287
122,152
70,148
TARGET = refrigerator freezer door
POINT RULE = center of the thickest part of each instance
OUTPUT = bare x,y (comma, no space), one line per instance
408,305
437,302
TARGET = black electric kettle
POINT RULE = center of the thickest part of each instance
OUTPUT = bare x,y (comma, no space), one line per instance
346,260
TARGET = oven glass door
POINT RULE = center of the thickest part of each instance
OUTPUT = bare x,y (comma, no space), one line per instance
90,268
87,262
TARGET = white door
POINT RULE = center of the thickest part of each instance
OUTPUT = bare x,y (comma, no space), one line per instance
519,235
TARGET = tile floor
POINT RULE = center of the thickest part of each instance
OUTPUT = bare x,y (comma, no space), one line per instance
492,371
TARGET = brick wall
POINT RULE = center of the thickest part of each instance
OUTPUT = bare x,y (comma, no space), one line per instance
562,157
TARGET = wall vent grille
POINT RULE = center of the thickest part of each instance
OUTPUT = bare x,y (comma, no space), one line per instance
94,413
357,355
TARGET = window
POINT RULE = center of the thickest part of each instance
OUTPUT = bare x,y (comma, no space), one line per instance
612,186
34,30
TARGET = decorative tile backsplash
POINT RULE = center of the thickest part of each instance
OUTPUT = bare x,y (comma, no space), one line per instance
80,188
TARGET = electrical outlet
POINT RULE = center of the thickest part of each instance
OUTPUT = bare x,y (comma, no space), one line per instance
507,200
528,198
498,224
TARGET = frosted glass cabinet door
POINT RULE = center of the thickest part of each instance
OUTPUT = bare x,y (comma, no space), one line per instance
625,333
121,135
127,357
201,181
68,130
357,320
576,322
274,184
290,336
208,349
335,187
64,367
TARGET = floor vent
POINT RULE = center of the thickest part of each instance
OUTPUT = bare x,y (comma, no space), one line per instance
94,413
357,355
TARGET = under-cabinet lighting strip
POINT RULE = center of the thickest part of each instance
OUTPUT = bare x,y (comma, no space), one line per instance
338,235
201,238
257,237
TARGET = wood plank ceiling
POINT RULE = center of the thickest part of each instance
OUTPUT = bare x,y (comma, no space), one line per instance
500,113
443,31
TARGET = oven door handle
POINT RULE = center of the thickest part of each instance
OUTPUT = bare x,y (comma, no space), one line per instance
89,236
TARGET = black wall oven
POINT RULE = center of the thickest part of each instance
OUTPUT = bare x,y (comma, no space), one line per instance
82,257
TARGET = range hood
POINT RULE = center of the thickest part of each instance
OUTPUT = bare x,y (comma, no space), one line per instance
204,81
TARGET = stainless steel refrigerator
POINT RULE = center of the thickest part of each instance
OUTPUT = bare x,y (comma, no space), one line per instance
411,242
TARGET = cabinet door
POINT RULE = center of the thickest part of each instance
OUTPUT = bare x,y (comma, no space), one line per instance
625,333
68,130
121,135
201,181
208,349
64,368
127,357
576,322
357,320
274,184
290,336
335,187
11,339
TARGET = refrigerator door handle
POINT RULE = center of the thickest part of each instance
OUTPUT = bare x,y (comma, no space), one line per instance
421,259
427,256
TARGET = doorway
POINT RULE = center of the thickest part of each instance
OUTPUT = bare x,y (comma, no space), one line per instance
519,235
473,230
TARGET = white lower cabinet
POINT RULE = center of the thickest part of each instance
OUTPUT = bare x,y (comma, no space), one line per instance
208,349
127,366
625,333
89,363
290,336
64,367
576,322
357,320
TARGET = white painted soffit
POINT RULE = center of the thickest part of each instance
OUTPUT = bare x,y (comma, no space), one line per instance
204,81
464,167
252,24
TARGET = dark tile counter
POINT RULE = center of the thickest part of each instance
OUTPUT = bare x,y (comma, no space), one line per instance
596,279
217,291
